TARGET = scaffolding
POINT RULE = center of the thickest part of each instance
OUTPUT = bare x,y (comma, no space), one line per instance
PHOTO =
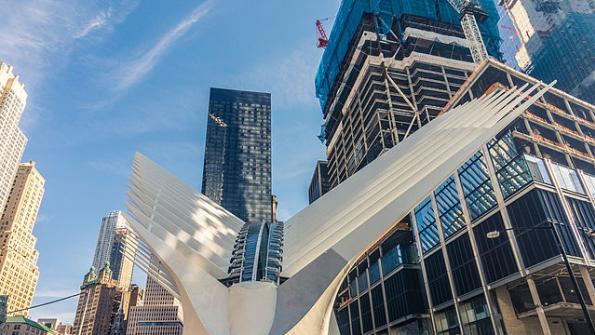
387,13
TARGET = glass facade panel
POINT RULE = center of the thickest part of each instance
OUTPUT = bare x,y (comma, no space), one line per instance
237,165
495,254
511,168
584,218
366,313
438,278
353,283
538,169
362,278
477,188
391,259
355,323
475,317
567,178
449,207
447,322
590,181
426,225
378,306
463,267
374,270
343,321
403,294
536,209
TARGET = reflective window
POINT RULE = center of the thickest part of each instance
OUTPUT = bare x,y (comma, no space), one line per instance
343,320
378,306
353,283
567,178
449,207
495,254
538,169
366,313
362,278
404,294
477,188
536,209
584,217
475,317
438,278
462,262
391,258
374,270
447,322
354,312
426,225
511,168
590,181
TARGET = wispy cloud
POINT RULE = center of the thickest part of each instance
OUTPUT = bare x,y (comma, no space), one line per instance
96,23
131,72
38,36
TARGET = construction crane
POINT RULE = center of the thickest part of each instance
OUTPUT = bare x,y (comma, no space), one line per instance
322,38
467,11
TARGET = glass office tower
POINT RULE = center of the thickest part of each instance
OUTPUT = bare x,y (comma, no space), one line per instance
237,166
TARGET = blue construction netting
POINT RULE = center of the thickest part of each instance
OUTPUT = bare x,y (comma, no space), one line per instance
349,16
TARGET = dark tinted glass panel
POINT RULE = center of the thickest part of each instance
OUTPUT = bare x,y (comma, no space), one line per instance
449,207
511,168
353,283
447,322
521,298
366,313
355,323
462,262
403,294
343,321
374,270
477,188
362,278
584,217
495,254
426,224
536,209
475,317
378,306
438,278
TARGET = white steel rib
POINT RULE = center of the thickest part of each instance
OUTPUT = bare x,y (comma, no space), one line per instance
193,237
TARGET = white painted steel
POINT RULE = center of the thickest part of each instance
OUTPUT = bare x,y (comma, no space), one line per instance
193,237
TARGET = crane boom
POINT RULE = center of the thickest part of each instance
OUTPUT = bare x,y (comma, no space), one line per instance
467,10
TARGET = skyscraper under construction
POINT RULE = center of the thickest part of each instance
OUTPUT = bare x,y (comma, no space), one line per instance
389,68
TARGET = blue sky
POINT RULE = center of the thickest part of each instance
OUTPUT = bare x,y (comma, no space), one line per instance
108,78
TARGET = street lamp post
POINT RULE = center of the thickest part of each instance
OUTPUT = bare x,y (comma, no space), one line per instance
496,233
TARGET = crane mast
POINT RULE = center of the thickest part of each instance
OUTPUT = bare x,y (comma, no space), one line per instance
467,11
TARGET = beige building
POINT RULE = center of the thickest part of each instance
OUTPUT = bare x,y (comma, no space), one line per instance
18,257
160,314
12,140
97,304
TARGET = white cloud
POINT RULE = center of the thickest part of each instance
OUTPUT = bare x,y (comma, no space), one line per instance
37,37
96,23
131,72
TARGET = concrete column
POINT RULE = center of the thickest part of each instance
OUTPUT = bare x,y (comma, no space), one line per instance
545,327
588,282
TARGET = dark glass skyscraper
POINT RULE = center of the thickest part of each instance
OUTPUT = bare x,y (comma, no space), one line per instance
237,166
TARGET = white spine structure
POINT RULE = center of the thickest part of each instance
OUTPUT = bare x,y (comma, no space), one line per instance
194,238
